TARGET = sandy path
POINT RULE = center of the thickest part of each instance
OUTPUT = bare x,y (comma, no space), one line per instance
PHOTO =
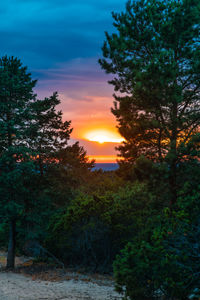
19,287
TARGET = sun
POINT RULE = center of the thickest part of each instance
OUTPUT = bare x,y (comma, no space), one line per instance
100,139
103,136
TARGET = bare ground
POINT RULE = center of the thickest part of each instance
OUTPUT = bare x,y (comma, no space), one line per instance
34,283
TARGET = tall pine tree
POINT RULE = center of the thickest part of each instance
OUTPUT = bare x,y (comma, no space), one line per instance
31,134
16,95
155,58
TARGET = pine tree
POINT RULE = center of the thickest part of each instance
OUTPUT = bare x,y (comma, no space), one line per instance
16,95
155,58
31,134
49,134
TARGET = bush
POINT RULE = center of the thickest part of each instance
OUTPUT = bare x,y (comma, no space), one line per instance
166,264
95,227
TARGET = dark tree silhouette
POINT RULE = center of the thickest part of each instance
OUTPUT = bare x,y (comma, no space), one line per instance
155,58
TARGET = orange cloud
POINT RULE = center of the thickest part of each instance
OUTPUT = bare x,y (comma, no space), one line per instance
104,159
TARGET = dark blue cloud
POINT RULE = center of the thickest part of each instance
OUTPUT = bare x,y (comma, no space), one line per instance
46,32
51,36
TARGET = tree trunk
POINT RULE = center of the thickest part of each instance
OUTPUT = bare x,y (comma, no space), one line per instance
11,245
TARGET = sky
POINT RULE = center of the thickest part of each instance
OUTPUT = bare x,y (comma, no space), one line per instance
60,41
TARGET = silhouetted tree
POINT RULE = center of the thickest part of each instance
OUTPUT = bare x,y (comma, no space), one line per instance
154,55
31,134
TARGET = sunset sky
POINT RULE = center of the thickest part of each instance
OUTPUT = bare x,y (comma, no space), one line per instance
60,42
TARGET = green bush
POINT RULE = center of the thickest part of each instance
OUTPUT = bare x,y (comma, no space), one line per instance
167,264
96,226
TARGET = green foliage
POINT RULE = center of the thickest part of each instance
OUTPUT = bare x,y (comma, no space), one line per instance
16,98
154,57
162,259
96,226
101,182
48,134
134,270
16,116
70,171
164,264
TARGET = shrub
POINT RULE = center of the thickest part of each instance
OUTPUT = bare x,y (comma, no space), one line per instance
166,264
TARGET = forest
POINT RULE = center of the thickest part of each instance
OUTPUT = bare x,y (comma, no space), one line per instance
140,223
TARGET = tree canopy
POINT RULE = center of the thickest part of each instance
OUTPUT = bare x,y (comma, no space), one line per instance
155,58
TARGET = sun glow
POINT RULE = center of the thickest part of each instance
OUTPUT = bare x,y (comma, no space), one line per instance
103,136
104,158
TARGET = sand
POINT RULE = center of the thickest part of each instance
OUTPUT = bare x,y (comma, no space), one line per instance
19,287
49,285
